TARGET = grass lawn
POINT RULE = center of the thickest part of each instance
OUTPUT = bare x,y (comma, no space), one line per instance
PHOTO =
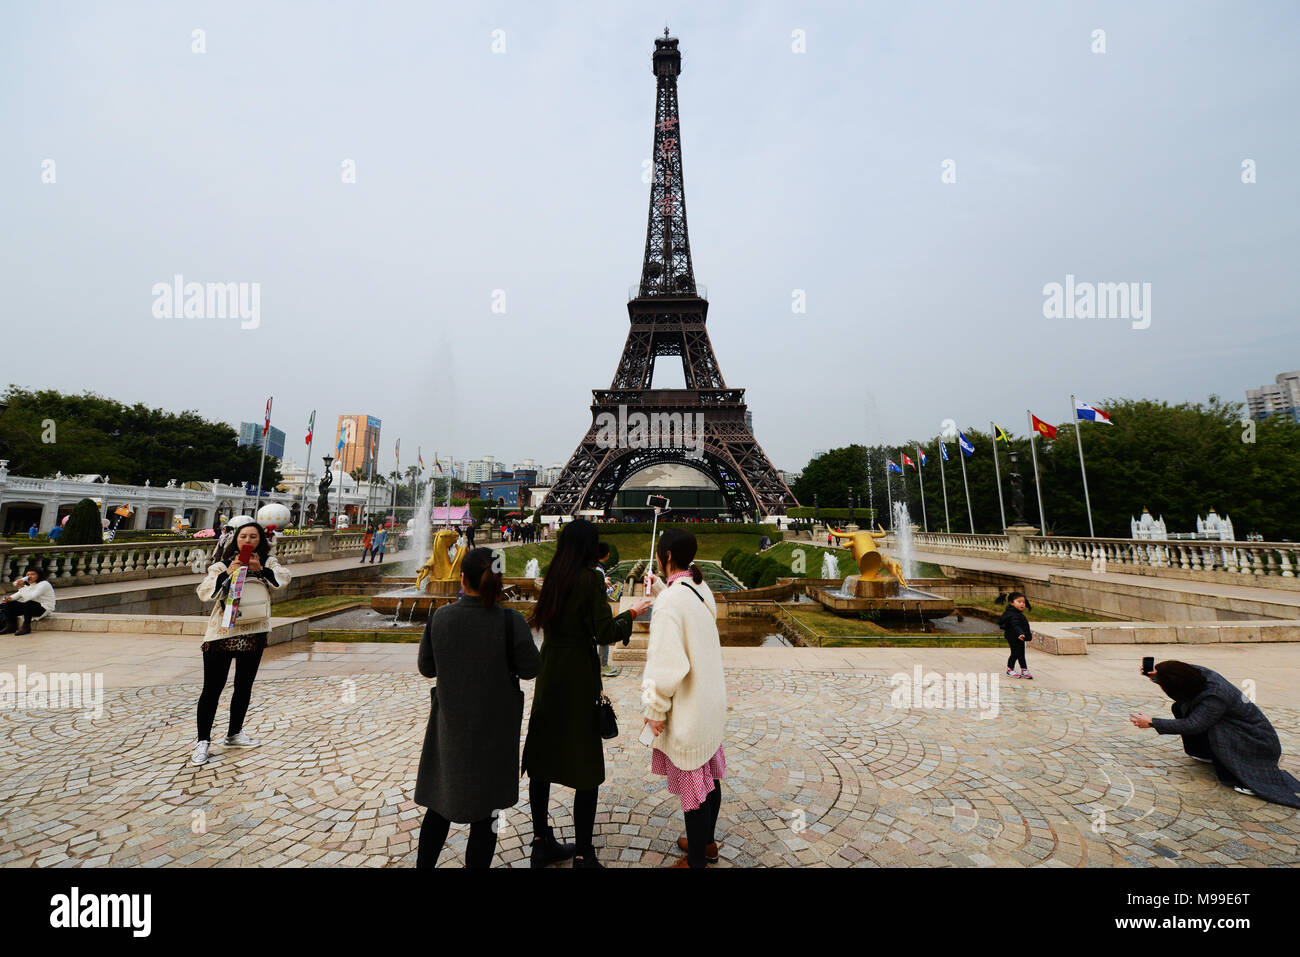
300,607
1040,612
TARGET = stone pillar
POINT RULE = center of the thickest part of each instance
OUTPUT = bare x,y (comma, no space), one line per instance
1017,546
320,548
49,514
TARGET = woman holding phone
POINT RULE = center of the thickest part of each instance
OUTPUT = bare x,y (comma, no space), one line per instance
563,744
240,639
685,694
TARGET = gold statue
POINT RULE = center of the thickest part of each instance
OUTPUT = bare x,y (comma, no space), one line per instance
862,546
441,566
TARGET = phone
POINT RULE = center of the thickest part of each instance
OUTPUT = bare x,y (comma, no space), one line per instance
647,735
657,501
1148,665
245,553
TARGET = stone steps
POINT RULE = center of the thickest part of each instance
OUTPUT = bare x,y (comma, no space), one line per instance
189,626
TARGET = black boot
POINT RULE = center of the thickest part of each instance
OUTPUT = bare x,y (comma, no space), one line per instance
547,850
587,859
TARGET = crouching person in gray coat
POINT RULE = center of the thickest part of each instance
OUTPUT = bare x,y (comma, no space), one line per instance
469,768
1220,725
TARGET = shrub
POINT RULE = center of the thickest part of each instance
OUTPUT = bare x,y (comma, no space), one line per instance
85,526
613,555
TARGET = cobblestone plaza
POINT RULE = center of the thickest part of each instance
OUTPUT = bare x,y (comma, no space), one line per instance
823,769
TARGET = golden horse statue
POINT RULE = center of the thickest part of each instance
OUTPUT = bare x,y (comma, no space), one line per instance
441,566
862,546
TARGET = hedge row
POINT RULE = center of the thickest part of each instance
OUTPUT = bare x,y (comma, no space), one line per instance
755,571
696,528
861,515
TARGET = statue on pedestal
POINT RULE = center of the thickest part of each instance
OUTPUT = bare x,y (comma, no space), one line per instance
322,517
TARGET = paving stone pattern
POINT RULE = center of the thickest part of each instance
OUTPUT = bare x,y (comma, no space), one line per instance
822,771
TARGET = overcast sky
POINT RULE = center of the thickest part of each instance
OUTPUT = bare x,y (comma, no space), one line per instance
521,171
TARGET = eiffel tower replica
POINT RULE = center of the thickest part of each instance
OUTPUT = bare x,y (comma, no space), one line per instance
668,319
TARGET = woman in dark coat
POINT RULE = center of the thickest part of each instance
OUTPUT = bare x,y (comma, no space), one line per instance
1220,724
563,745
477,650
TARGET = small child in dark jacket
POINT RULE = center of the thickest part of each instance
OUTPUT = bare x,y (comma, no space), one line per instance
1015,628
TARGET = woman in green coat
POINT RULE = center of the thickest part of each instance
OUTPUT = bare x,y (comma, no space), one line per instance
563,745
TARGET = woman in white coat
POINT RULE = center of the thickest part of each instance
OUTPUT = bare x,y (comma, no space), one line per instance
685,694
243,639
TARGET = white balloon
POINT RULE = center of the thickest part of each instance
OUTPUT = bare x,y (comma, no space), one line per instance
273,513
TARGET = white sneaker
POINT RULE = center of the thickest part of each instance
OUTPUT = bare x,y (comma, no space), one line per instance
241,740
201,749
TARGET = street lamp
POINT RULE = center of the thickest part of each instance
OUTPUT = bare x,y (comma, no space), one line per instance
850,504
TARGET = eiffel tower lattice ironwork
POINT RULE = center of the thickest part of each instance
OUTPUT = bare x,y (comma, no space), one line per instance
667,316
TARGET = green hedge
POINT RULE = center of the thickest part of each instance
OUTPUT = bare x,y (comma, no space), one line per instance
861,515
613,554
755,571
696,528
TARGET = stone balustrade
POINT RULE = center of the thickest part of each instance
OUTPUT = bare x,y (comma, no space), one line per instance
129,561
1268,563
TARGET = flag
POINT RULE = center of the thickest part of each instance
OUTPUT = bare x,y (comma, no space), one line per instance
1000,434
923,458
967,448
891,467
266,426
943,451
437,464
908,461
419,459
1042,428
397,454
311,425
340,445
1089,413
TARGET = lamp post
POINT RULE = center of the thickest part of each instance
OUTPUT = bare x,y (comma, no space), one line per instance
850,504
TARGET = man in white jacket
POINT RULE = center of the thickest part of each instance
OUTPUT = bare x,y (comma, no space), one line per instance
33,599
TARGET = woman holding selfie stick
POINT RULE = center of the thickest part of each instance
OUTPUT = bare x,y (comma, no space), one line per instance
563,744
685,694
243,639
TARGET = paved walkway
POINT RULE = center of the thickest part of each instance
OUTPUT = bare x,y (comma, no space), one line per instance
823,770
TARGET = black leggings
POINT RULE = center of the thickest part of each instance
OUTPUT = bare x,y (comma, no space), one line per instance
13,610
584,814
216,666
1017,654
433,835
701,826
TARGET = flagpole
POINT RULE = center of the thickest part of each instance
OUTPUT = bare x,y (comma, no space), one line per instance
371,453
1078,435
944,481
339,507
962,455
902,477
266,431
889,496
306,472
998,473
1038,486
920,477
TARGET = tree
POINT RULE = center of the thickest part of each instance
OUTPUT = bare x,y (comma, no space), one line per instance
85,525
45,431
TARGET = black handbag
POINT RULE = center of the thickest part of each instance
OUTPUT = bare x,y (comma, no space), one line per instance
606,720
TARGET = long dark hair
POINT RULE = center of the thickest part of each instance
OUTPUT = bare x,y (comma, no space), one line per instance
683,546
1179,680
263,548
481,576
575,552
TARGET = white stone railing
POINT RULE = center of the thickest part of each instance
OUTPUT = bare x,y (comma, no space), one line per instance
351,542
84,564
1257,559
954,541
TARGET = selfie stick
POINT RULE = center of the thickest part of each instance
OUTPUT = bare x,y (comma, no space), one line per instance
655,525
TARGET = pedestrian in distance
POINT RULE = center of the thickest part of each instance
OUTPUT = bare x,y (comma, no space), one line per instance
377,546
685,694
243,640
477,649
564,745
1015,629
367,543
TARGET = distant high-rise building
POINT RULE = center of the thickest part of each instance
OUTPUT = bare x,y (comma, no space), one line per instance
250,433
1281,398
480,470
360,434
